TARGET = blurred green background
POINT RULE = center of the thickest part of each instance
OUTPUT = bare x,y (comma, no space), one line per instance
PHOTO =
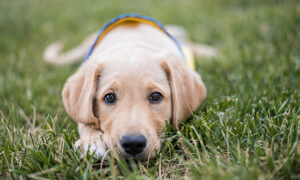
253,88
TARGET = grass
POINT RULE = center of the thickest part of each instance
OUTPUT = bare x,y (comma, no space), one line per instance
248,127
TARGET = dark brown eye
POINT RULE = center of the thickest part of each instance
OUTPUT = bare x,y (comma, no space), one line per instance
155,97
110,98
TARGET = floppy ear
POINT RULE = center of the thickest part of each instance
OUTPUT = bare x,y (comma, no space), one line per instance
187,89
79,91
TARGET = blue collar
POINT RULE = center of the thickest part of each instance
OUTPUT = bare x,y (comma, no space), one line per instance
130,17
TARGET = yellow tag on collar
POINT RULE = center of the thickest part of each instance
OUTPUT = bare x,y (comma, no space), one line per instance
189,57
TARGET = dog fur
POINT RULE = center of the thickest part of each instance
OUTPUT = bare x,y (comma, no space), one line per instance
132,61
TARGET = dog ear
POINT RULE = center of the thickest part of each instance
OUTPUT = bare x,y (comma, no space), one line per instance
79,94
187,89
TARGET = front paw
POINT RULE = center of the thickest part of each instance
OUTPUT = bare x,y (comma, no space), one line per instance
92,146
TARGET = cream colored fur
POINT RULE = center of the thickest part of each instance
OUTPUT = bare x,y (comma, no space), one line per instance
53,54
132,61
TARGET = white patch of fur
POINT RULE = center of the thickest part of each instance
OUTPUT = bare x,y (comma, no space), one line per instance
90,146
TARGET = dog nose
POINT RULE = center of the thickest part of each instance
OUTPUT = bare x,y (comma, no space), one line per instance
133,144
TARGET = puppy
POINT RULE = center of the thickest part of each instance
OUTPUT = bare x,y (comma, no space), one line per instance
134,78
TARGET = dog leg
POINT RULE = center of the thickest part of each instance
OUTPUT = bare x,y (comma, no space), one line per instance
90,141
199,50
54,55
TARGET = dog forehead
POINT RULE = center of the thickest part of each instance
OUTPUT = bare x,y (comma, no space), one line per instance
133,67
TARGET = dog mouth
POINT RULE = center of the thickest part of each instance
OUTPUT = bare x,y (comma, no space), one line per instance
143,156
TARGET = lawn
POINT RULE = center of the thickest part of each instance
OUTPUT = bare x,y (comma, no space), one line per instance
247,128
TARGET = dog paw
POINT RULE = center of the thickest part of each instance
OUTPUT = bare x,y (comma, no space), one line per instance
95,147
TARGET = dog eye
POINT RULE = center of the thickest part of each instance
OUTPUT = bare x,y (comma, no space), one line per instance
155,97
110,98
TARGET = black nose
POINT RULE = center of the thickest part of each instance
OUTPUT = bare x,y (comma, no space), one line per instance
133,144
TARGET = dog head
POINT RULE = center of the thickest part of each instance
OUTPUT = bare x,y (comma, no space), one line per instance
129,96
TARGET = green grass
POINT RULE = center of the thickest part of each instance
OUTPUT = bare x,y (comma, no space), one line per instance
248,127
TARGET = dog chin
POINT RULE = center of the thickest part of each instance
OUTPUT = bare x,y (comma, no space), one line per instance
139,157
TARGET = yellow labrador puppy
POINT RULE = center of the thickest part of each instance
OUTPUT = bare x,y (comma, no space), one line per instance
133,80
